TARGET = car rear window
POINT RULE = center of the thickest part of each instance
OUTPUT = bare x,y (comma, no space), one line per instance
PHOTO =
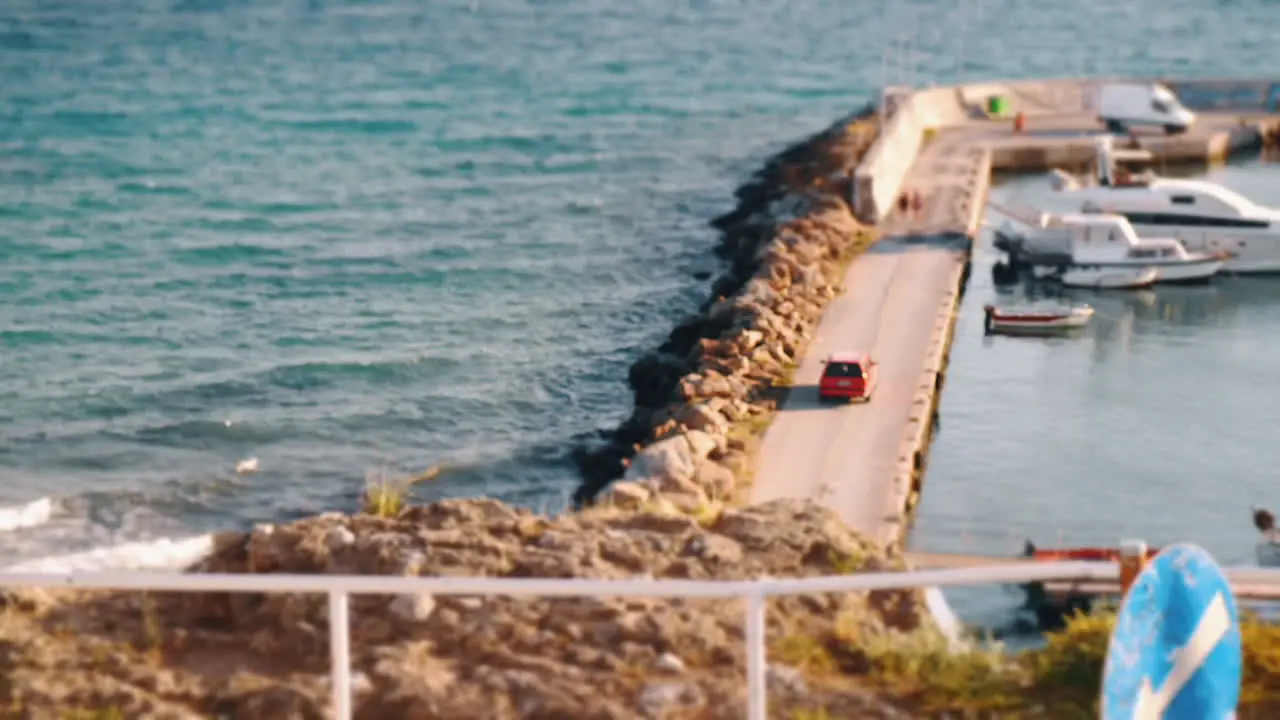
844,370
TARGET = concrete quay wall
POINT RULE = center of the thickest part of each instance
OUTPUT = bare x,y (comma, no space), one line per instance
1067,103
880,175
917,434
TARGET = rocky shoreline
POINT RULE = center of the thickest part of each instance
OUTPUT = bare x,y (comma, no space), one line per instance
266,656
703,397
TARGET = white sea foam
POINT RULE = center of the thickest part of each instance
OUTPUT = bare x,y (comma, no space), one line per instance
160,554
33,513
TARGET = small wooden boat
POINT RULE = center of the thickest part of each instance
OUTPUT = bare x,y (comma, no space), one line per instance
1094,554
1052,608
1035,323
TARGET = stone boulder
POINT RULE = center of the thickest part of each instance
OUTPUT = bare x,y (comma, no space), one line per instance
673,459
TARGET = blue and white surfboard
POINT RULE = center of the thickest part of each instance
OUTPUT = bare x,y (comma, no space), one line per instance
1175,652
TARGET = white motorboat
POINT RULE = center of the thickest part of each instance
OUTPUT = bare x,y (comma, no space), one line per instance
1204,216
1035,322
1092,250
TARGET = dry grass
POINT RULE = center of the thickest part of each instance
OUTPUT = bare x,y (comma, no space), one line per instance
386,497
705,513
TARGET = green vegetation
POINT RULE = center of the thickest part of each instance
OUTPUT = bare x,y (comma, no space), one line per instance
1060,680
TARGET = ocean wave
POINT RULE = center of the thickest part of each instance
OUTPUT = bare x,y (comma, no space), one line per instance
36,512
160,554
314,374
349,126
104,530
151,187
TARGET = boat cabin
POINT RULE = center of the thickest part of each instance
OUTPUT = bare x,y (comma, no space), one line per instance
1148,200
1105,238
1180,203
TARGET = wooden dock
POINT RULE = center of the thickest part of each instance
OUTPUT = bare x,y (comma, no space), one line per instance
1249,583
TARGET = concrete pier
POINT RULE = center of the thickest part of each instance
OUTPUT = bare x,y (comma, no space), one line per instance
1248,583
900,298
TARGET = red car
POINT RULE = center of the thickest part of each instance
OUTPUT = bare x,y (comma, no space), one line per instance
848,376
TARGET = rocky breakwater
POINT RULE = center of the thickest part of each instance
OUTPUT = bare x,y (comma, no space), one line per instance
705,395
473,658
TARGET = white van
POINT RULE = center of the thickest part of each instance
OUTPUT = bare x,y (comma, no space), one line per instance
1121,105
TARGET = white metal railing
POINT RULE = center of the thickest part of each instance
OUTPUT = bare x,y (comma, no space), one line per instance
340,587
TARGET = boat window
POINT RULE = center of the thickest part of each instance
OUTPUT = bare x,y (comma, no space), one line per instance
1167,252
1183,200
1160,106
1142,253
1193,220
843,370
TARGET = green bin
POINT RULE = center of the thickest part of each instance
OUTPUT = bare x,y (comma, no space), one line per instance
997,105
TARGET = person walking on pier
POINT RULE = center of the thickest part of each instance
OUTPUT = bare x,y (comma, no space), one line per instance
917,205
1268,550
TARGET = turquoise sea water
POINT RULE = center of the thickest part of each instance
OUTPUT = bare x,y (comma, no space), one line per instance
339,236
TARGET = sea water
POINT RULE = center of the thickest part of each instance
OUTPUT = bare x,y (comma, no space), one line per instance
371,237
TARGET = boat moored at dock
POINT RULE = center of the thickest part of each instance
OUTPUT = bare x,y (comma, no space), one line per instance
1103,250
1204,216
1033,322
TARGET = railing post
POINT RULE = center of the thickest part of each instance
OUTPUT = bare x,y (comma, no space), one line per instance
340,653
756,656
1133,558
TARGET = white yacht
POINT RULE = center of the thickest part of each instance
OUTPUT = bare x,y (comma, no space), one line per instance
1204,216
1104,250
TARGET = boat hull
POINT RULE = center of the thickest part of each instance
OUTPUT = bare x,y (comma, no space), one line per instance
1053,610
1033,328
1036,323
1095,554
1190,273
1110,278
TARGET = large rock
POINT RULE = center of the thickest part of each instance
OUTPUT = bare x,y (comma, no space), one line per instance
653,376
715,479
673,459
667,459
710,384
704,416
